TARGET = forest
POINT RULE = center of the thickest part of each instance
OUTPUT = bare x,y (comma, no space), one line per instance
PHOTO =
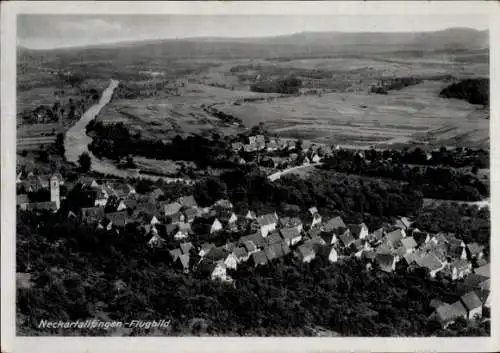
114,141
473,90
433,182
289,85
397,83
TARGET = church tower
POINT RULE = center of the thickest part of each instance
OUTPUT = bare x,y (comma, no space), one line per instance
54,191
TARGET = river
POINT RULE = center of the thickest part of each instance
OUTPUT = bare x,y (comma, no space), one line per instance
76,142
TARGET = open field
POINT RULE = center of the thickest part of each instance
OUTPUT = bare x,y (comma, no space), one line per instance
414,114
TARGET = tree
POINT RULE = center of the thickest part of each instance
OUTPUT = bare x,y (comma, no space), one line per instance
85,162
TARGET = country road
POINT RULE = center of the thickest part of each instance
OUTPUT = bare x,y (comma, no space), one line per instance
76,142
277,175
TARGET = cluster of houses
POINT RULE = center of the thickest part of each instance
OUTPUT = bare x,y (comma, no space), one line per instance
268,237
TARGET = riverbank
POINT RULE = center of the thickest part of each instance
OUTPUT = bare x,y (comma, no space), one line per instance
76,142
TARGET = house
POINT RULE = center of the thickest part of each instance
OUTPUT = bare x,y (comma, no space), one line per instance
288,222
216,254
483,271
156,241
171,208
215,226
156,194
267,223
270,254
431,263
186,247
241,254
460,269
101,197
216,271
50,206
205,248
291,235
273,238
231,261
475,251
447,314
280,249
174,254
408,244
183,262
237,146
119,219
345,237
393,239
328,252
306,161
258,258
403,223
316,158
187,201
255,238
333,224
22,200
386,262
223,204
190,214
473,305
359,231
181,234
271,146
305,253
92,214
251,140
249,247
250,215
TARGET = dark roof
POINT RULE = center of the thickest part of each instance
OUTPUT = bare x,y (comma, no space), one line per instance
185,247
483,270
249,245
409,243
289,233
273,238
171,208
259,258
435,303
216,254
22,198
266,219
258,240
473,280
429,261
190,212
356,229
385,261
240,252
175,253
305,250
278,249
184,260
119,219
334,223
394,237
270,254
94,213
187,201
471,301
447,312
475,248
346,238
171,229
156,193
47,205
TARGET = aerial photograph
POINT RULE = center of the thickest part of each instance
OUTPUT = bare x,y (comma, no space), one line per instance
252,175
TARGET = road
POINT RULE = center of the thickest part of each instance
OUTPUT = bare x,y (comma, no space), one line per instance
277,175
76,142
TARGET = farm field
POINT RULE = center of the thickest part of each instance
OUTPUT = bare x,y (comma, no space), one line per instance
412,115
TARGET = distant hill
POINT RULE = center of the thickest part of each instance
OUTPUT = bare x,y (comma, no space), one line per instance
298,44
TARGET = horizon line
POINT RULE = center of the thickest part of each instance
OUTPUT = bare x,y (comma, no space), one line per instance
236,38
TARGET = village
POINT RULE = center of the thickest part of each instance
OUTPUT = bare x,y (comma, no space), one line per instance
198,243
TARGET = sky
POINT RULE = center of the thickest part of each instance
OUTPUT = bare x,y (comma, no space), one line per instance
54,31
